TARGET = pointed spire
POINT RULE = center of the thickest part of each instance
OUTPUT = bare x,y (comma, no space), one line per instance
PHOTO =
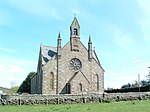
59,40
90,52
59,36
90,39
75,22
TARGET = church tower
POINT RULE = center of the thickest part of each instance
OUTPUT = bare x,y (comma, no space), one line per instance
75,35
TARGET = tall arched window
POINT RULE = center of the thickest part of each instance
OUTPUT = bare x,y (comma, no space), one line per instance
51,81
80,87
97,81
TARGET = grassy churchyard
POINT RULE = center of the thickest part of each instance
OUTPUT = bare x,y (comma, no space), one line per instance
127,106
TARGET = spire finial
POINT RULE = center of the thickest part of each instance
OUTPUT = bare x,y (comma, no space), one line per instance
74,15
59,35
94,48
90,39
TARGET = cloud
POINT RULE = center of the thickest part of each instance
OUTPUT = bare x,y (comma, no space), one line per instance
5,17
144,19
115,78
142,68
44,9
144,5
7,50
137,61
13,71
10,73
9,68
122,40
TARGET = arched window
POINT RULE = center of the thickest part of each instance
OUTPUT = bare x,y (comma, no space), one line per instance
80,87
97,81
75,31
51,81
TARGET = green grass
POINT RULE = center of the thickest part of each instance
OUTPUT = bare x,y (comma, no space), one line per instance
128,106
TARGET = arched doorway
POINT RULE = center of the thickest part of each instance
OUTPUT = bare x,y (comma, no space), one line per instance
68,88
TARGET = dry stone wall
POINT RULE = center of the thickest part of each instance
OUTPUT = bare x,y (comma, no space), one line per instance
70,99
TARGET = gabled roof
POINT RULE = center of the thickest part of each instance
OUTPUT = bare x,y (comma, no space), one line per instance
95,57
74,22
94,53
48,53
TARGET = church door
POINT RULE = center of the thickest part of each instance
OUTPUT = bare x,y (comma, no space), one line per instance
68,88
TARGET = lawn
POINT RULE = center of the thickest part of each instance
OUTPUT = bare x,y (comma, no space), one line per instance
128,106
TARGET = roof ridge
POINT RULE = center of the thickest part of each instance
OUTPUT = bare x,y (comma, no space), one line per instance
48,46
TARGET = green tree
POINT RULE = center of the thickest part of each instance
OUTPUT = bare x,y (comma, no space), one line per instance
135,84
14,89
126,86
144,83
148,77
25,86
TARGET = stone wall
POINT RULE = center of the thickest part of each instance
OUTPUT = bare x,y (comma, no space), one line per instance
70,99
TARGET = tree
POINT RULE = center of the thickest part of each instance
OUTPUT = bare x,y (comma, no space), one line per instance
14,89
126,86
148,76
135,84
144,83
25,86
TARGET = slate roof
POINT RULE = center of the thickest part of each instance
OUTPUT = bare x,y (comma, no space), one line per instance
48,53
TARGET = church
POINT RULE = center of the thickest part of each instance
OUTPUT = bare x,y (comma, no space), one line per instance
69,69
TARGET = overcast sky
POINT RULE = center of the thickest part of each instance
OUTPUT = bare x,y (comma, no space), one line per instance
120,32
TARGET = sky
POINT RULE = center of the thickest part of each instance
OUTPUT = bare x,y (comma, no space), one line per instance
119,29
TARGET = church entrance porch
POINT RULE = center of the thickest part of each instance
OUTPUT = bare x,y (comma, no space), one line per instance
66,89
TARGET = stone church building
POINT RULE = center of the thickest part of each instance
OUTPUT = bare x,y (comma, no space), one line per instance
70,69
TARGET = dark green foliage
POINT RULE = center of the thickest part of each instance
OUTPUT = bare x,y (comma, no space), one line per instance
135,84
25,86
14,89
136,89
148,77
126,86
144,83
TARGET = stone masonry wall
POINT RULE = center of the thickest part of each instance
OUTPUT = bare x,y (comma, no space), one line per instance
84,76
70,99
